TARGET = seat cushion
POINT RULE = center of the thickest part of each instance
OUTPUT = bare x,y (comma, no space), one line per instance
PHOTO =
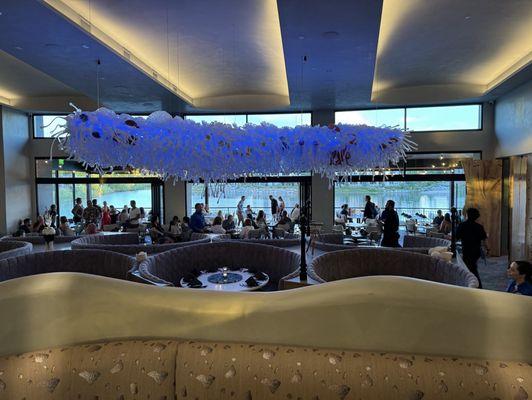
114,370
247,371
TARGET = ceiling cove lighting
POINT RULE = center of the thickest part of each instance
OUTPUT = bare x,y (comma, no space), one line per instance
237,66
217,152
446,60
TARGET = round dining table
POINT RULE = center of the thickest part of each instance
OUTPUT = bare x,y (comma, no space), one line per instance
233,281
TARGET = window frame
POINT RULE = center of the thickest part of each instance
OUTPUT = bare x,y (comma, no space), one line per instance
405,108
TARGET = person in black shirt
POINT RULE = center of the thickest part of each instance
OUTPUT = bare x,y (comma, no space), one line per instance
274,205
390,219
472,234
438,219
369,210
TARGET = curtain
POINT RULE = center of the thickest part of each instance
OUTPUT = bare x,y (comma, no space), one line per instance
484,192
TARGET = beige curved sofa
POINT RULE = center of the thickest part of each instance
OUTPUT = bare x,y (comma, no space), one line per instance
128,243
97,262
359,262
170,267
371,338
14,248
36,239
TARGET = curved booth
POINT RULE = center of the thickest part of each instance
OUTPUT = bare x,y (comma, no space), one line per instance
279,242
128,243
36,239
14,248
360,262
372,338
95,262
424,242
170,267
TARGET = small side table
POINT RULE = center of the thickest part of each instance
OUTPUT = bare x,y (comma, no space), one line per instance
294,283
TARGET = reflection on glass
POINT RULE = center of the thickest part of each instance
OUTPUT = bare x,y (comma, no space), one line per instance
424,197
45,197
257,196
446,118
281,120
393,117
239,119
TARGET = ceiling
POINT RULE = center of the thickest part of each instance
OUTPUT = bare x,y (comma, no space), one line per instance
286,55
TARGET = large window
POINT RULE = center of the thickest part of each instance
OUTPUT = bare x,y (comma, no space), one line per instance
60,182
449,118
418,119
257,196
281,119
44,126
387,117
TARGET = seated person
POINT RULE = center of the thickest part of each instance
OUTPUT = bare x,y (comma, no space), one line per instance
135,215
249,212
197,220
229,223
521,274
91,229
438,219
446,225
185,228
244,233
25,227
261,223
113,214
175,226
38,225
64,227
285,222
217,226
157,231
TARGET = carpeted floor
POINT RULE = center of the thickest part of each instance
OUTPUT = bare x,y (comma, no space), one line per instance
493,273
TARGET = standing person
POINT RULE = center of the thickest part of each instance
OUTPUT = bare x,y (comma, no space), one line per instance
472,235
240,211
99,213
134,216
106,216
113,213
77,211
295,213
521,274
124,215
370,211
91,214
281,207
197,220
390,219
446,225
105,207
51,215
274,206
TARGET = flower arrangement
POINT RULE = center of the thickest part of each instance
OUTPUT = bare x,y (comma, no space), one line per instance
217,152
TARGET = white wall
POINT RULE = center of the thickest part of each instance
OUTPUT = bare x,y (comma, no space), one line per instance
16,184
513,122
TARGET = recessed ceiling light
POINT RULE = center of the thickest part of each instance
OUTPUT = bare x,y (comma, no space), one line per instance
85,46
330,34
467,17
301,37
18,47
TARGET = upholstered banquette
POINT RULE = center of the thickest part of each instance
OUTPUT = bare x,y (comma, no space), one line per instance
327,242
37,239
427,242
97,262
367,261
128,243
168,268
13,248
372,338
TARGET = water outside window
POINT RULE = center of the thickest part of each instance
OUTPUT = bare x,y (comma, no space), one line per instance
424,197
257,196
120,194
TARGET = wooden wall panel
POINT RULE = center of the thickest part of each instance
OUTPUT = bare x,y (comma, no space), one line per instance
484,192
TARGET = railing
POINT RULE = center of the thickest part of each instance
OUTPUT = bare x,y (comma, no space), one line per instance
430,213
232,210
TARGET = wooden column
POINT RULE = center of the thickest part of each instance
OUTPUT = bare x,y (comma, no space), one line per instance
484,192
